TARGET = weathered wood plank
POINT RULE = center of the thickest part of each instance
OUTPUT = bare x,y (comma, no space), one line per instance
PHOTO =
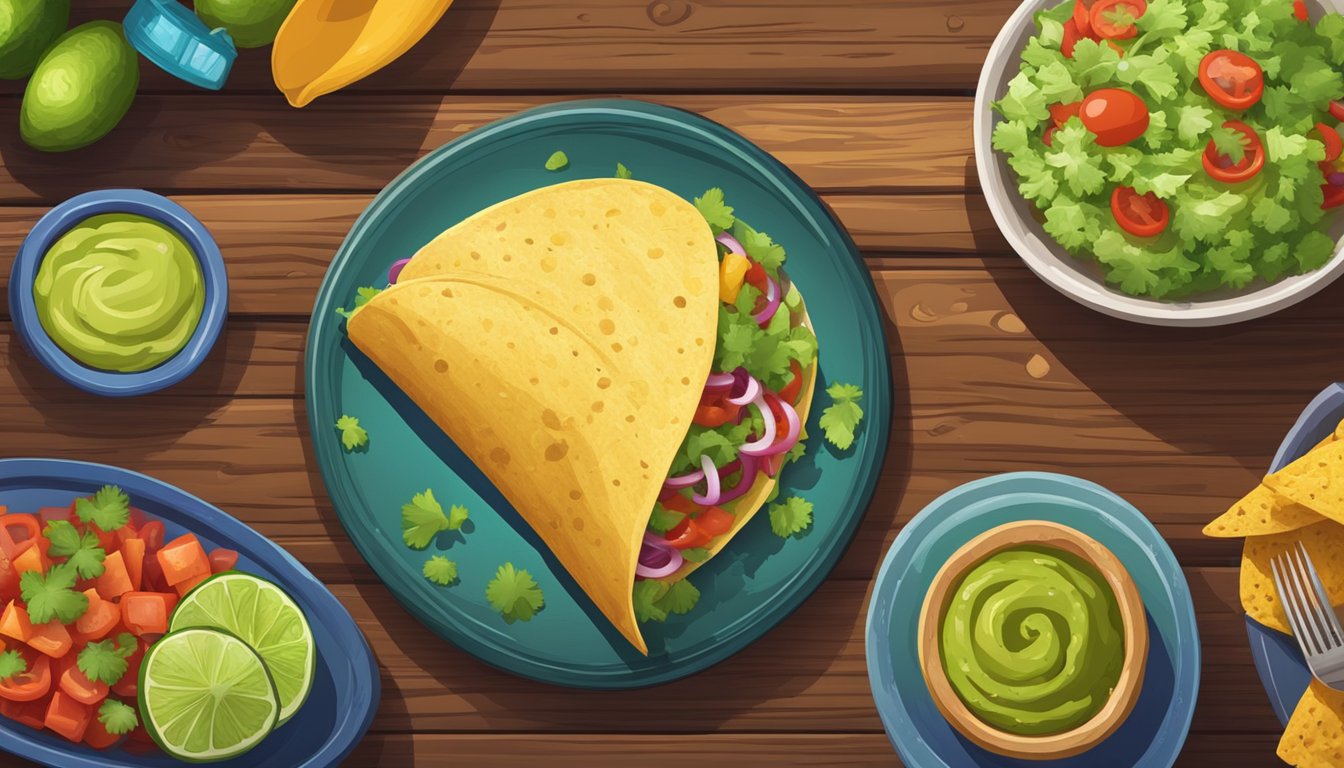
663,45
215,143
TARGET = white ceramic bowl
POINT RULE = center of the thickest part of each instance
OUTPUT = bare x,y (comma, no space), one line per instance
1081,280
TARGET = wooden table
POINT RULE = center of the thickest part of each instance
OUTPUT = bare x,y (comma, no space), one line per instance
870,102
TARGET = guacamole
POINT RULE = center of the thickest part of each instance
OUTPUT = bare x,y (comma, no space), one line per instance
1032,641
120,292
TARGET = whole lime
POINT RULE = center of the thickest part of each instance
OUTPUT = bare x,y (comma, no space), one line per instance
27,27
81,88
251,23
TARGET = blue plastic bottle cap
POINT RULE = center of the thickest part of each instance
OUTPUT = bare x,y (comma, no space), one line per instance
178,42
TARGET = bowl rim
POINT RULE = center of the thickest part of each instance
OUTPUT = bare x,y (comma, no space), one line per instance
1049,535
60,220
999,188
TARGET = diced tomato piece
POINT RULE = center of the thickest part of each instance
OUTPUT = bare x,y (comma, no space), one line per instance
716,415
99,620
1300,10
1072,34
1062,113
126,533
756,277
789,393
31,684
129,683
9,579
31,713
1334,197
714,521
687,535
14,622
1337,110
183,558
222,560
47,514
116,580
137,518
31,559
146,613
1334,145
98,737
679,503
152,578
68,717
106,539
21,528
133,555
153,534
51,638
76,685
184,587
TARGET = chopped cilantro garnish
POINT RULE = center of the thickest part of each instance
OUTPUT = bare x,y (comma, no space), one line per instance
81,550
423,518
12,663
440,570
654,600
622,172
842,417
558,161
109,509
117,717
514,593
695,554
362,297
663,519
52,595
790,516
711,206
105,661
353,436
760,247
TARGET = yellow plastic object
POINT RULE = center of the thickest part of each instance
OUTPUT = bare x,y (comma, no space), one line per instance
325,45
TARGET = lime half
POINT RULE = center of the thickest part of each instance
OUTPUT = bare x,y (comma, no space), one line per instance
206,696
264,617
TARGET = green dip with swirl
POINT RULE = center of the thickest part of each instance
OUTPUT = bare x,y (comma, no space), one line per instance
120,292
1032,641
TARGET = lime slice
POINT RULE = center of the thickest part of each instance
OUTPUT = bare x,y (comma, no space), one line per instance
206,696
264,617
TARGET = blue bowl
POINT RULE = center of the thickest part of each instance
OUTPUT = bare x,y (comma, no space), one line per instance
62,219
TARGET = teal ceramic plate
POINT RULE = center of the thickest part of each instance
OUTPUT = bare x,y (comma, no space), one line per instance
1152,735
746,590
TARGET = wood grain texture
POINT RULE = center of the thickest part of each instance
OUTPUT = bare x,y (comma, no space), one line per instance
359,142
662,45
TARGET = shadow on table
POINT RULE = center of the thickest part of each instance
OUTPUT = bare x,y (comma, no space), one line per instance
226,141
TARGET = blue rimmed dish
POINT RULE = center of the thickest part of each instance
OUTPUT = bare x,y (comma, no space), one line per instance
62,219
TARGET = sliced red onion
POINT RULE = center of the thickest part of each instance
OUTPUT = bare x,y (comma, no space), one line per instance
657,558
772,298
771,466
752,389
748,479
395,271
756,447
712,483
679,482
731,243
788,440
1336,178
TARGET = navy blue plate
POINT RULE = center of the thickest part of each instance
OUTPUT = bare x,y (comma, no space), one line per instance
346,690
1152,735
1277,658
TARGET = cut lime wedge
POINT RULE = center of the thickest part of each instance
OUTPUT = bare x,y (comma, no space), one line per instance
263,616
206,696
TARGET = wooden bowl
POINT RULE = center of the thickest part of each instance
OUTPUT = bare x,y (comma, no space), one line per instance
1035,533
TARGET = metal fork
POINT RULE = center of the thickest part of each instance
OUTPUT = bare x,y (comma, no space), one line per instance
1310,614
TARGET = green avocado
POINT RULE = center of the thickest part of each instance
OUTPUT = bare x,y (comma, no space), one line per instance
27,27
81,88
251,23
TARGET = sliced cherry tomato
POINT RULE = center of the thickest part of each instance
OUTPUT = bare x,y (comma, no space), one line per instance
1082,17
1139,215
1334,145
31,684
1334,197
790,391
1300,10
1337,110
1114,19
153,533
687,535
1071,37
1060,113
1049,136
1232,79
1115,116
714,521
716,415
1221,168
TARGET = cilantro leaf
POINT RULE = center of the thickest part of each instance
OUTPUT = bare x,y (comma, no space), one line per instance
841,418
558,161
646,595
1071,223
105,661
791,516
53,596
759,247
711,206
422,519
117,717
1230,142
362,296
663,519
1079,167
680,598
1023,101
440,570
622,172
81,551
695,554
1192,123
109,509
514,593
12,663
353,436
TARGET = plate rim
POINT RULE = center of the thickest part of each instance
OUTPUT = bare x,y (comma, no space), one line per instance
351,726
900,728
779,179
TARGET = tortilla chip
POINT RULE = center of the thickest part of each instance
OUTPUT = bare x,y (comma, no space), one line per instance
1315,733
1261,513
1324,542
1315,481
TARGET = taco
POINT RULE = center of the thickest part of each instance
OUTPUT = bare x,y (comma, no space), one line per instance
631,371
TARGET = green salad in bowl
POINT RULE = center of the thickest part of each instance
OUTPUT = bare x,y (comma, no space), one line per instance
1182,146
